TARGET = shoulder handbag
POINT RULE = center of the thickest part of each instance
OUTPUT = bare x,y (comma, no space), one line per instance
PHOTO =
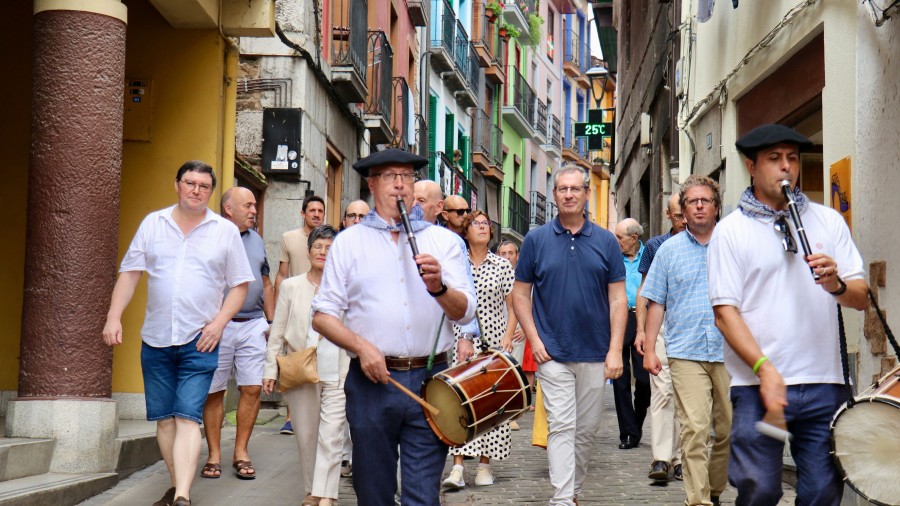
297,368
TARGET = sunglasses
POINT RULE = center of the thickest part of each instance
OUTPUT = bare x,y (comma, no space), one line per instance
459,212
788,240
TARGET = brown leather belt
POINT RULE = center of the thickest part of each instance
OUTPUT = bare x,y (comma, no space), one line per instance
408,363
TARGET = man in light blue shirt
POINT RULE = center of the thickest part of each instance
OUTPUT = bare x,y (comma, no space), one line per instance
677,281
631,412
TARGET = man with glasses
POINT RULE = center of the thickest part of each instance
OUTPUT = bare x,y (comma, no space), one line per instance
396,324
569,296
191,256
677,286
665,439
455,210
355,212
780,323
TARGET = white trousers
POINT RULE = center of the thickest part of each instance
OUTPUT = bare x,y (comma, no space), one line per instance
665,433
573,398
319,413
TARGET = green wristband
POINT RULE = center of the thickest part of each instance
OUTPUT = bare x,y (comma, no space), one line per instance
759,363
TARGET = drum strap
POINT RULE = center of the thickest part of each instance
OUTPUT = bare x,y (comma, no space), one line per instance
843,335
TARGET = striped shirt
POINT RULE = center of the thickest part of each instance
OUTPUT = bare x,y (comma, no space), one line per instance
678,280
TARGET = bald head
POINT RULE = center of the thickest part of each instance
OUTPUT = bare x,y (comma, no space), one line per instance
239,207
673,212
354,213
428,195
628,233
454,205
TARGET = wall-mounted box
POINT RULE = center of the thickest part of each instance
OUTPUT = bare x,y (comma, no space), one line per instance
138,108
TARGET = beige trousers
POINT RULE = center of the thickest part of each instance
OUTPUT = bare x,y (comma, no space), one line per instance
702,400
318,413
665,438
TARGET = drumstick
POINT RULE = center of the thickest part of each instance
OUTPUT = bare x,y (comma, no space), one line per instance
434,411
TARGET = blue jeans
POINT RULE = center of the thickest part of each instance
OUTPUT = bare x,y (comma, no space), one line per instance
177,379
381,419
756,460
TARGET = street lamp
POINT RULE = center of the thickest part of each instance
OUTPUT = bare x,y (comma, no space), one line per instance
599,76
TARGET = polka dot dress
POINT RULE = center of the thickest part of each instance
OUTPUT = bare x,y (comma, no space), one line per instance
493,282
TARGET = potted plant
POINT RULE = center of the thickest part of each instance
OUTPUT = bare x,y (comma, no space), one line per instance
493,10
507,30
534,28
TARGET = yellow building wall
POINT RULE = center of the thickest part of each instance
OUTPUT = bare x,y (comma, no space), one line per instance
186,68
15,38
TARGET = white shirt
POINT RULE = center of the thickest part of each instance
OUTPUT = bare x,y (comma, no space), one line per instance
187,275
375,284
793,320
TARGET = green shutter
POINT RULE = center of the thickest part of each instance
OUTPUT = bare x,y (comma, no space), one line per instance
432,135
465,147
449,132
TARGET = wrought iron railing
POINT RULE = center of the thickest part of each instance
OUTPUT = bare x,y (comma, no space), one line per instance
574,48
538,208
381,64
539,122
581,147
473,70
487,136
443,30
522,95
461,51
496,143
400,113
553,132
420,145
482,29
552,211
440,169
517,218
348,34
569,133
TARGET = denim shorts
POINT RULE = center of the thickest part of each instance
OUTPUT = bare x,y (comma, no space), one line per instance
176,380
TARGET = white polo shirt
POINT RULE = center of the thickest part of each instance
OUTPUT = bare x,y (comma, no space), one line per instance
793,320
186,275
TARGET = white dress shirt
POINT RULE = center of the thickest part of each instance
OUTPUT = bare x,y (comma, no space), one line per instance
375,284
187,275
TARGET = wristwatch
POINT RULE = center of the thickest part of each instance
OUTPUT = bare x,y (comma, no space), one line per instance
438,293
840,291
468,336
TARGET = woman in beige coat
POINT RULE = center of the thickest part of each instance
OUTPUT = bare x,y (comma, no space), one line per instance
318,409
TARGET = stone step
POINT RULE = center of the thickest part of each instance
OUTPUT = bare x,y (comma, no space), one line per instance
54,488
23,457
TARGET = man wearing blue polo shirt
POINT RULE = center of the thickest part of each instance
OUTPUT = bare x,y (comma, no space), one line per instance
570,298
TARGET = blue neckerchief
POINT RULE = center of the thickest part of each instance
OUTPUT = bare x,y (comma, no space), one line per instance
415,221
752,207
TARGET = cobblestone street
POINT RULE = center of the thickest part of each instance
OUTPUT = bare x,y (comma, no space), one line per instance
617,477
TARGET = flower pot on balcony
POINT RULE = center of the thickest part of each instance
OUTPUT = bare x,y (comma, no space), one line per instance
504,33
490,15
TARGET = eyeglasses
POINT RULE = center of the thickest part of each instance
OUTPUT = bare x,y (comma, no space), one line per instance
574,190
193,185
788,240
459,212
695,202
390,177
481,223
678,217
321,247
354,216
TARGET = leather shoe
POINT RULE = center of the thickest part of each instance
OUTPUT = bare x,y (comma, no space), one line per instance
678,473
659,471
714,499
629,442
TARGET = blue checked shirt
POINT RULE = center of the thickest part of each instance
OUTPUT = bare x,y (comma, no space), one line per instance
678,280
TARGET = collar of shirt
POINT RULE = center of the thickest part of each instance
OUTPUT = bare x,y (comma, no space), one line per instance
167,215
693,238
416,214
637,256
586,228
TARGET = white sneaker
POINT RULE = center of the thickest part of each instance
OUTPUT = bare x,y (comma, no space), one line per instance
513,425
455,481
484,475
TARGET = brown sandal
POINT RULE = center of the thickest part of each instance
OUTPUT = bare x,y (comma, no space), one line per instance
244,465
211,471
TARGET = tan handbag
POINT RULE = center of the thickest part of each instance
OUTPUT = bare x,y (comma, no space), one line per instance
297,368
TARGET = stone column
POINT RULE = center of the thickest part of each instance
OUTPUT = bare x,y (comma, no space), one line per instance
65,369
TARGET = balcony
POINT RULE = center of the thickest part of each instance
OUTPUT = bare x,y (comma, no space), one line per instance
482,33
576,59
552,211
420,144
486,145
451,179
519,106
348,49
569,152
468,95
400,114
443,34
581,149
418,12
515,223
538,209
377,114
539,123
516,13
553,147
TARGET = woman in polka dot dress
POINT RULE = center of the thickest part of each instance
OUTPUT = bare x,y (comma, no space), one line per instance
494,277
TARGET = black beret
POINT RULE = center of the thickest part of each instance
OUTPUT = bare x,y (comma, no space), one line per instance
765,136
389,156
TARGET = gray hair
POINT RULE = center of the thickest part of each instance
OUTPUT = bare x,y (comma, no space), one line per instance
572,169
632,227
697,180
504,243
320,232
